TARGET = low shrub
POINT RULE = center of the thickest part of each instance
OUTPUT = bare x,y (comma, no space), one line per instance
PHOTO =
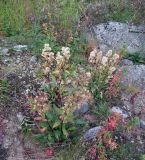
53,107
102,70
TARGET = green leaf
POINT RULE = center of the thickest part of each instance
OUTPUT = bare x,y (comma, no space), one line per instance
57,134
80,122
49,116
40,137
50,139
56,124
72,128
64,131
44,124
58,110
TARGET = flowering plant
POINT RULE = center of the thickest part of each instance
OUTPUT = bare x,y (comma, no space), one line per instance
104,139
102,70
54,105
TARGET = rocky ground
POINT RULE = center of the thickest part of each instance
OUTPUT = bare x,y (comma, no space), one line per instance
18,65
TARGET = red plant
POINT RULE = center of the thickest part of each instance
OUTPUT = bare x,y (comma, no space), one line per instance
49,152
113,121
112,89
104,139
92,152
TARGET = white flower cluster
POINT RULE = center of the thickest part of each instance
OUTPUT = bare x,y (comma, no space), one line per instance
63,55
95,57
108,61
59,59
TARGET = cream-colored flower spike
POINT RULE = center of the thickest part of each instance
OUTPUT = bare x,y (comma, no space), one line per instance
66,52
104,61
47,47
92,57
109,54
115,57
99,57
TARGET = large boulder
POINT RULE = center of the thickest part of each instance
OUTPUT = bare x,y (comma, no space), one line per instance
115,35
133,90
134,77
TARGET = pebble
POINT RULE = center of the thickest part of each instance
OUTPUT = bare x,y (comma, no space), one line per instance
120,111
19,48
33,60
83,109
142,124
4,51
91,133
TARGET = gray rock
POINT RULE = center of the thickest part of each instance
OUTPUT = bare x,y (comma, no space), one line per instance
139,103
115,35
17,61
7,142
126,62
120,111
83,109
133,89
142,124
4,51
134,76
33,60
91,133
19,48
20,117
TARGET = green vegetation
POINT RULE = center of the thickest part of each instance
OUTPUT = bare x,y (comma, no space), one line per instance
36,23
120,11
136,58
68,79
101,111
126,151
54,22
4,86
55,103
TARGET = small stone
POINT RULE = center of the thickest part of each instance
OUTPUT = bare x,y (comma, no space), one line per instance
92,133
5,121
90,118
4,51
126,62
17,61
7,142
20,117
19,48
33,60
83,109
142,124
120,111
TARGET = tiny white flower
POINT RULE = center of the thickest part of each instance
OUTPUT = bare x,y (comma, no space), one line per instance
98,57
51,54
59,57
88,74
112,69
68,81
46,71
93,54
109,53
115,57
45,54
47,47
104,60
58,54
65,50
